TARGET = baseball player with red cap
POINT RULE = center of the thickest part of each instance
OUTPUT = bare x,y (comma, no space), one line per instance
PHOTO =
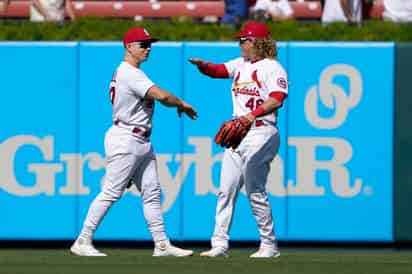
259,88
129,153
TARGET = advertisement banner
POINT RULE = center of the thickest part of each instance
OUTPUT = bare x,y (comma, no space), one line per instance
332,179
340,141
38,128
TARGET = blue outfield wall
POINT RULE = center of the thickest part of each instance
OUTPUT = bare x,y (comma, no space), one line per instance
332,180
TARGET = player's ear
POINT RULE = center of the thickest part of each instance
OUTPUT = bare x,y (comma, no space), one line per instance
128,46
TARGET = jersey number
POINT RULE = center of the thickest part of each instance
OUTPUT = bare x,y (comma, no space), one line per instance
112,94
252,104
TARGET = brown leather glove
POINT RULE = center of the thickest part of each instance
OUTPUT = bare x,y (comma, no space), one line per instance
232,132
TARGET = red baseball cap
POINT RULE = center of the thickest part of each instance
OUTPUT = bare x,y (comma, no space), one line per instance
255,30
137,34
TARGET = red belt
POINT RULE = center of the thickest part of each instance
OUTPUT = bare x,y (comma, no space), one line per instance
136,130
259,123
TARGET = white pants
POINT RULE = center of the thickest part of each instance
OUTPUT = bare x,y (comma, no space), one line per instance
128,157
248,165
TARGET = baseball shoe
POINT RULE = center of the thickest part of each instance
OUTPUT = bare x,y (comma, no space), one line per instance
266,252
84,248
217,251
165,248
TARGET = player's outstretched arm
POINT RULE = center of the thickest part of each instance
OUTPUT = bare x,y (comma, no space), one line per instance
187,109
170,100
198,62
210,69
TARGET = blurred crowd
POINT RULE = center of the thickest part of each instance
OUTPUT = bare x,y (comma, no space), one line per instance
346,11
237,11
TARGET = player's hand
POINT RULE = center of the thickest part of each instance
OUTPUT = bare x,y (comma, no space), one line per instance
187,109
197,61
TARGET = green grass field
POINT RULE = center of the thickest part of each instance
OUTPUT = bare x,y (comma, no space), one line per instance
292,261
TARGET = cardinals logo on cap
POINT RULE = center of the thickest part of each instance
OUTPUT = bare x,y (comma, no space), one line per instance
255,30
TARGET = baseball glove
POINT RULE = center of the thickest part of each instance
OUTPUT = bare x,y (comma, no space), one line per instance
232,132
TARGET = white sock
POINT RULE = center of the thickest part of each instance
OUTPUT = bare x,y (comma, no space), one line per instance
97,211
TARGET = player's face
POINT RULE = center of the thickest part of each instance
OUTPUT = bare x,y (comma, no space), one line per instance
140,50
247,46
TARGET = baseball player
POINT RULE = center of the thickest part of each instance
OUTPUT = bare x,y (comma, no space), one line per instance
128,150
259,88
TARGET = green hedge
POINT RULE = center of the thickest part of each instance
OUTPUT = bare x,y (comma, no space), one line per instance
180,29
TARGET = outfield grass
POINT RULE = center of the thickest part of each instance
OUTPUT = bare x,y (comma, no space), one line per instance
292,261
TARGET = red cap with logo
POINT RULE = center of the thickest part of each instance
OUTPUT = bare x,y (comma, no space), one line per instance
137,34
255,30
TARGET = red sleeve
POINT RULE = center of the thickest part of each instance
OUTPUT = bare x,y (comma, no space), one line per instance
214,70
279,96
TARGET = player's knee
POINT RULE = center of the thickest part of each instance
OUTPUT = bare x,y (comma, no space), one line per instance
252,188
151,195
226,194
112,196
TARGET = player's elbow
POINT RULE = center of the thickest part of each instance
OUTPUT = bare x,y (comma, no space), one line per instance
163,97
158,94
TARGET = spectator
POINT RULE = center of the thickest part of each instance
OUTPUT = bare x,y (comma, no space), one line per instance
399,11
3,6
347,11
278,10
50,10
235,12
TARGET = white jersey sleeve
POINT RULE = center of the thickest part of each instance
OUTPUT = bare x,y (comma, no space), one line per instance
139,83
233,65
276,80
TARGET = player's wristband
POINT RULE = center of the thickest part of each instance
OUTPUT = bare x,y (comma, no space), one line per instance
259,111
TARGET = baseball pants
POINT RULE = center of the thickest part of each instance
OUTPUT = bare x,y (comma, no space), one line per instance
249,166
128,157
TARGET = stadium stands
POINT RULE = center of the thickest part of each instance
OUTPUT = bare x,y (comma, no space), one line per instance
165,8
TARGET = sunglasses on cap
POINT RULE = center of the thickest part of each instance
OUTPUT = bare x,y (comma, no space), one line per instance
143,44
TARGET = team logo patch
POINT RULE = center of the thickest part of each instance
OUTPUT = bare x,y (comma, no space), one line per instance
282,82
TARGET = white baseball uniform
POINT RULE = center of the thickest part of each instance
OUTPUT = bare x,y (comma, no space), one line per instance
249,164
129,152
